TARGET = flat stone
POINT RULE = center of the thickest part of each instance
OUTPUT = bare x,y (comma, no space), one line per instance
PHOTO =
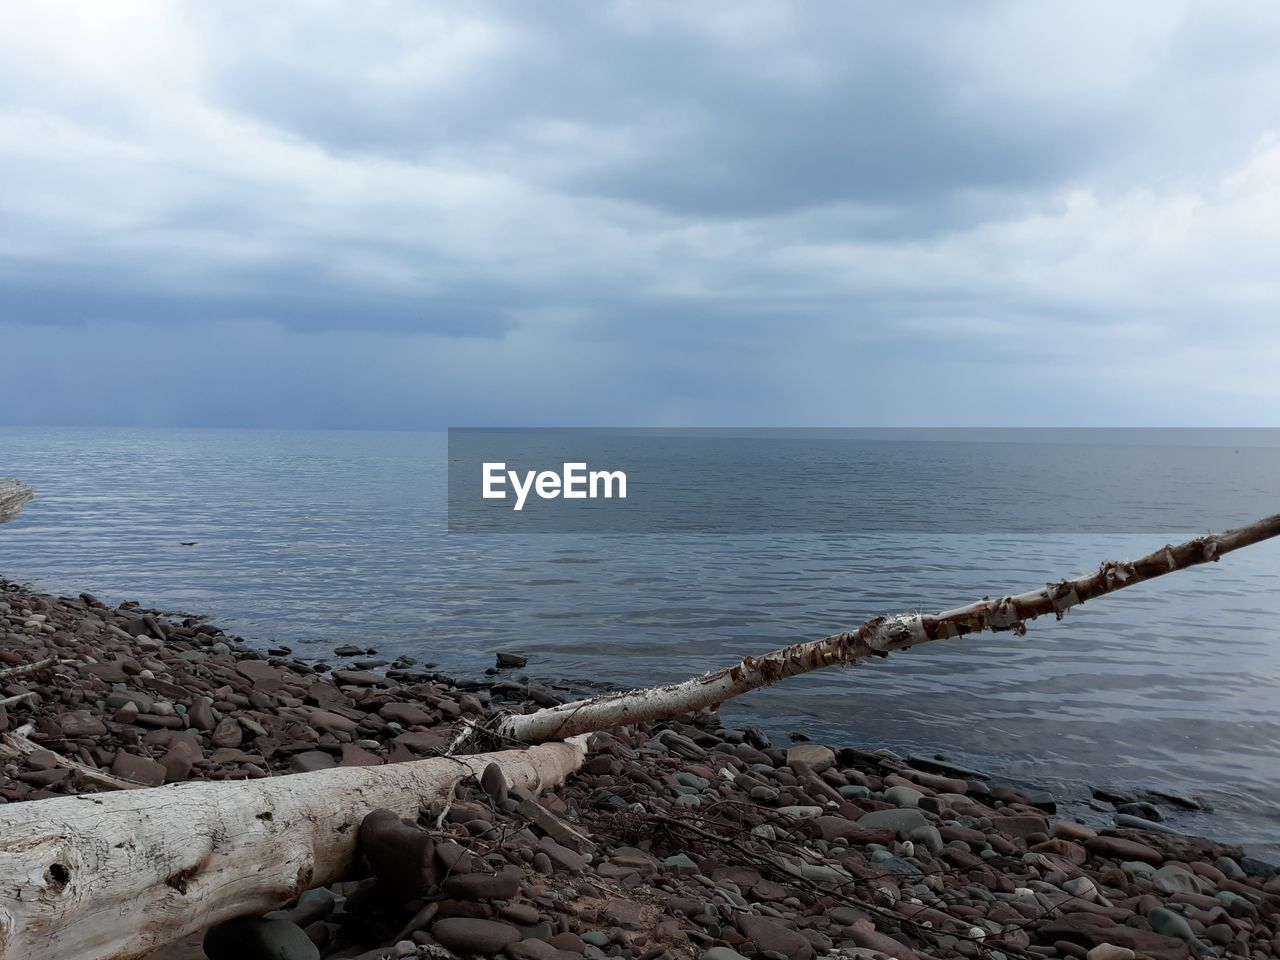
881,943
80,723
626,914
1173,879
1093,930
1070,830
406,714
42,760
356,678
1170,924
1138,823
1119,848
265,677
519,913
1021,826
1069,851
928,837
354,756
1082,887
110,671
401,855
838,828
482,886
138,769
902,821
424,741
332,722
903,796
310,760
471,935
562,856
233,755
258,938
800,812
494,783
182,754
814,756
938,783
227,733
537,950
680,864
1109,951
770,936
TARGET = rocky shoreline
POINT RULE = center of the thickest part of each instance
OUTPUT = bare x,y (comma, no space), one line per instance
679,839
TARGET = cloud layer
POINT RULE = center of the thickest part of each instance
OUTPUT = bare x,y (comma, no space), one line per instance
407,215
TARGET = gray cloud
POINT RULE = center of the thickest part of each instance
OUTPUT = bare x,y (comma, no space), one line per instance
722,213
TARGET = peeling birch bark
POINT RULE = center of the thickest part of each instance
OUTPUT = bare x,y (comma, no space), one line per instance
116,876
13,494
876,637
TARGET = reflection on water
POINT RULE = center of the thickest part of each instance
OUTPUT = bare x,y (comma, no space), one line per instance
315,539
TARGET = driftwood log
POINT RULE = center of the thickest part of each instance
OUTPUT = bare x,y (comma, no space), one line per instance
117,875
13,494
114,876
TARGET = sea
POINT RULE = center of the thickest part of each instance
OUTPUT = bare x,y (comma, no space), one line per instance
314,539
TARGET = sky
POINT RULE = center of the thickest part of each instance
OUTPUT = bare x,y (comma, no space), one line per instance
410,216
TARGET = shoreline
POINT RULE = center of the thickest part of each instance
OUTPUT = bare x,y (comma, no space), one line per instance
704,841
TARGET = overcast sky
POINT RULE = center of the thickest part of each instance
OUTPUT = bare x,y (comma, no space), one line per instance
741,213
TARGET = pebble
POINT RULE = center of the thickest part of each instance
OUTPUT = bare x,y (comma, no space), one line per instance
259,938
474,935
482,886
399,854
1109,951
903,796
770,936
902,820
814,756
1173,879
1120,849
1170,924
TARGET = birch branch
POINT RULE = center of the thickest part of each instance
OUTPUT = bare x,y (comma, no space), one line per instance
18,745
13,494
876,637
24,668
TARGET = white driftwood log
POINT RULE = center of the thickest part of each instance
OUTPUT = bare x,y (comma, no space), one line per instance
877,637
13,494
115,876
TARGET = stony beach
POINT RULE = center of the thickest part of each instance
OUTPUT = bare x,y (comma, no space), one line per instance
678,839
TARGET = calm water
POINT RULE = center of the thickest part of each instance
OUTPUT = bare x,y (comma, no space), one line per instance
314,539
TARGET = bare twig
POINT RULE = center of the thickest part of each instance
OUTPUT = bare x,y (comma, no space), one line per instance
35,667
17,745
